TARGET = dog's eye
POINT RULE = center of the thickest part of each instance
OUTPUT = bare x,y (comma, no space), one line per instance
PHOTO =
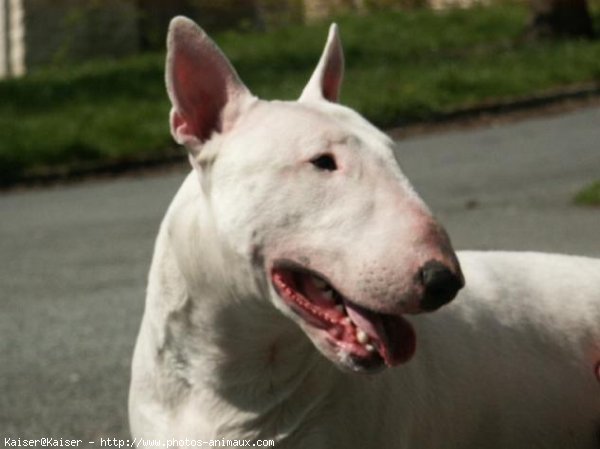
324,162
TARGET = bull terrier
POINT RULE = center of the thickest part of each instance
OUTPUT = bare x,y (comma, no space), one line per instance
296,259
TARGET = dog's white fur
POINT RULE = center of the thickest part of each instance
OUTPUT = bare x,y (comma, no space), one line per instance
510,363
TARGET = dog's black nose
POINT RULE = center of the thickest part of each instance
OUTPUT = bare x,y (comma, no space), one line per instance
441,285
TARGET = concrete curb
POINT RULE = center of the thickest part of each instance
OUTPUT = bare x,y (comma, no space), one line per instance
551,102
581,92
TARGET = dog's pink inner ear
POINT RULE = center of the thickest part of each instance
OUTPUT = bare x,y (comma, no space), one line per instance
201,97
203,86
332,77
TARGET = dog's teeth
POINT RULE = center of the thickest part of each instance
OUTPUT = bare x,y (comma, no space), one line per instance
337,331
362,336
346,321
319,283
370,348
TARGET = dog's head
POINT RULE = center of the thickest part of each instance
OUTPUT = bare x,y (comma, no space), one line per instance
310,195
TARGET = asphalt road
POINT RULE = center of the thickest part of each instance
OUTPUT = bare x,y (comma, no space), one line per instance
74,259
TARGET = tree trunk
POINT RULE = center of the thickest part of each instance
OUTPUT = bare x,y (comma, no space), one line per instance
560,18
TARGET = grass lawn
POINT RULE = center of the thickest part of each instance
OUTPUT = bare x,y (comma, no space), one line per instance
590,196
401,66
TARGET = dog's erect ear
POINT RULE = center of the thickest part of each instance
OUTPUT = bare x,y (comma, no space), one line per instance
326,80
205,91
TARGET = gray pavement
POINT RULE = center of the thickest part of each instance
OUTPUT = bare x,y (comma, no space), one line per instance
74,259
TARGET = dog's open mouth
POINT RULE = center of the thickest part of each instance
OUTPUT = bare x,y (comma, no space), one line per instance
370,338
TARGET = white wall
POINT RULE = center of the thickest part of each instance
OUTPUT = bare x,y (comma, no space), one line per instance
16,26
12,38
3,41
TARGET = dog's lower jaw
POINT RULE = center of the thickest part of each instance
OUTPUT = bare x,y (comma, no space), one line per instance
351,336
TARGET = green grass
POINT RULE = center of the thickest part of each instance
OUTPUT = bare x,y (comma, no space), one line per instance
401,66
589,196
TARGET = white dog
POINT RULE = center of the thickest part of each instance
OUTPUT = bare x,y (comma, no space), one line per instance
283,273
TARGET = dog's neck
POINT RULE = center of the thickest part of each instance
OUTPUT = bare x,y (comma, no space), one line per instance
222,343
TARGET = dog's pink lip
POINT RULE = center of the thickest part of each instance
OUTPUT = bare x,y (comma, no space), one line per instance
391,338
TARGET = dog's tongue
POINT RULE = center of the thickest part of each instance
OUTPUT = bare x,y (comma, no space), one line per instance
392,335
